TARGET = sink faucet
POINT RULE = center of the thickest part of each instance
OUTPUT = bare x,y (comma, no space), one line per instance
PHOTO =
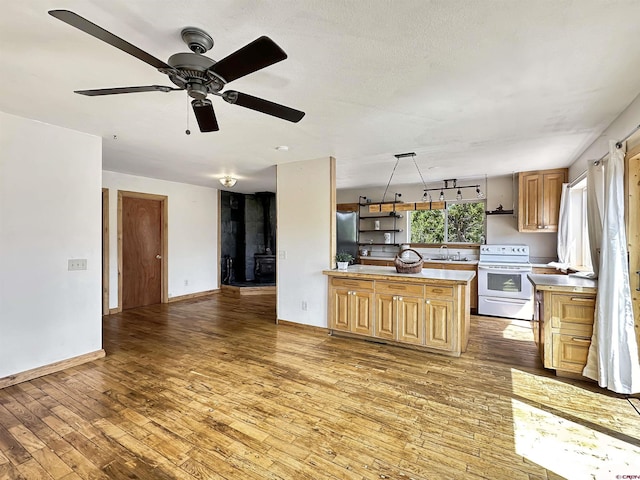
443,252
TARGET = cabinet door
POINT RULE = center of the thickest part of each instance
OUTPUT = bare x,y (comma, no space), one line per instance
573,312
340,309
529,207
570,352
385,316
410,320
439,324
552,192
361,313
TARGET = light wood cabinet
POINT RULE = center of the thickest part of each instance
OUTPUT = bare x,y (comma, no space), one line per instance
431,314
411,320
473,294
539,199
439,324
352,306
399,314
565,329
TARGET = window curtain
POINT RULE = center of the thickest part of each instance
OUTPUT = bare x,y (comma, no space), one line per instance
565,239
595,199
613,353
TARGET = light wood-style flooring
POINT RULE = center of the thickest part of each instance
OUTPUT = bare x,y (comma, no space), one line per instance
212,389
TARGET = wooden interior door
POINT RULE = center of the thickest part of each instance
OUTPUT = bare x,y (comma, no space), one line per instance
141,252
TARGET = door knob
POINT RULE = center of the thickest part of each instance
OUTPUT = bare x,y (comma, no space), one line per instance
158,257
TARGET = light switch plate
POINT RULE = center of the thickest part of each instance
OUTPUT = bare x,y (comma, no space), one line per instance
77,264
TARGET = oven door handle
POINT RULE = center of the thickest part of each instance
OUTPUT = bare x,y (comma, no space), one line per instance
505,269
505,300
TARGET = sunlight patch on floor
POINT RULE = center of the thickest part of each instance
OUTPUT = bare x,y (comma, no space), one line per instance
570,449
518,330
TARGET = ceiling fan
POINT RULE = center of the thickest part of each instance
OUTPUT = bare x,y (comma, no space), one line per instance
195,73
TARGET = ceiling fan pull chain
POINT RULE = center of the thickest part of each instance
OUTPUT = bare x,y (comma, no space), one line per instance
187,131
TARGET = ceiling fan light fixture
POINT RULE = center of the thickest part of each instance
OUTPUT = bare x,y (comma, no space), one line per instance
228,181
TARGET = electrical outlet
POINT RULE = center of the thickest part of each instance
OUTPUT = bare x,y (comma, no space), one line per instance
304,305
282,254
186,283
77,264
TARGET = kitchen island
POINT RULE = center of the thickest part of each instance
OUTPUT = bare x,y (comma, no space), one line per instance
428,310
563,320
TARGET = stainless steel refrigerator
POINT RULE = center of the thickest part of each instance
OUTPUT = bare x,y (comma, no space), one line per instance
347,233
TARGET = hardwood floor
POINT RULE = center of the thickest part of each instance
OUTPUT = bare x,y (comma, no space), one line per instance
213,389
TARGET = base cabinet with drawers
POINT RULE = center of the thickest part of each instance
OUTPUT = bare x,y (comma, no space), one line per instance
433,316
562,328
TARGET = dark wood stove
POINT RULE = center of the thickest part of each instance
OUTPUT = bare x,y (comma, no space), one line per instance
265,268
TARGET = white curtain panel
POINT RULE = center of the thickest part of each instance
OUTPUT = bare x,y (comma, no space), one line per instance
613,354
595,206
565,239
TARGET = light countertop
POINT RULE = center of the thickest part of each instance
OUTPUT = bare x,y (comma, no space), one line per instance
563,283
365,271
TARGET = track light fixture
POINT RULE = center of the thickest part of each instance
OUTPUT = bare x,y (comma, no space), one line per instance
454,186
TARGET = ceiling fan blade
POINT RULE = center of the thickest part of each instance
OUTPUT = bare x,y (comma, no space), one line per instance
205,115
100,33
262,105
118,90
254,56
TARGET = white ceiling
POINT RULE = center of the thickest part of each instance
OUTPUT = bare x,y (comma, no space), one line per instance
474,87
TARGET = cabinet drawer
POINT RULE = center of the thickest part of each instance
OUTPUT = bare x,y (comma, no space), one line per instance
366,285
572,310
398,288
435,291
580,329
570,352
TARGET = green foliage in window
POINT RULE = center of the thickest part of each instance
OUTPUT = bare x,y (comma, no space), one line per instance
460,223
465,222
427,226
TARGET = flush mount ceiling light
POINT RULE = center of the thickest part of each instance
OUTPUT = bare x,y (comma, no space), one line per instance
282,148
228,181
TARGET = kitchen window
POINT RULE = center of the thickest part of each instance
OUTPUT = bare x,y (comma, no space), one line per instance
459,222
580,253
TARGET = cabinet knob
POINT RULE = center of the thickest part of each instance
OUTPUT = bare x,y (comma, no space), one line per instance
539,226
427,301
400,298
546,226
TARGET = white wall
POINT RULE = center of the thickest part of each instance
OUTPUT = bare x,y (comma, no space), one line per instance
499,191
304,236
619,128
192,232
50,210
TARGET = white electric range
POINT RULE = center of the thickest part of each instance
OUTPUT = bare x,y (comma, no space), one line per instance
503,287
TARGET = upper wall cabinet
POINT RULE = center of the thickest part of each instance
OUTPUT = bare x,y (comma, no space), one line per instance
539,199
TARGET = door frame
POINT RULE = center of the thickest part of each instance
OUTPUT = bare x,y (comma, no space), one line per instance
105,251
164,214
